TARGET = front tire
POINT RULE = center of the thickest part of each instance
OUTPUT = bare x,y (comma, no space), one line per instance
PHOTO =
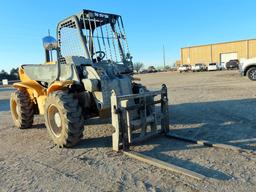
64,120
251,73
22,109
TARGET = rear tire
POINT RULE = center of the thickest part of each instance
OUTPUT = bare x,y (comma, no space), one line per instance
22,109
251,73
64,119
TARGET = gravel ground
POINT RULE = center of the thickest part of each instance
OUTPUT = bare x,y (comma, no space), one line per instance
217,106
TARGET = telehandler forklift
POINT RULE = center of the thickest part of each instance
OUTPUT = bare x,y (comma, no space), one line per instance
91,77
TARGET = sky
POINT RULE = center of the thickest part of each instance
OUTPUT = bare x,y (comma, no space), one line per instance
149,24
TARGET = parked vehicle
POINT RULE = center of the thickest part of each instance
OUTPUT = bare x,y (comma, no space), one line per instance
247,68
232,64
151,69
184,68
220,66
199,67
213,67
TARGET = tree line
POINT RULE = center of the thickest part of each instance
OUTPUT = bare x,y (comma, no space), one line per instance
13,75
139,66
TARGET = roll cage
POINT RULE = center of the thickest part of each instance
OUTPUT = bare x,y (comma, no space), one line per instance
95,36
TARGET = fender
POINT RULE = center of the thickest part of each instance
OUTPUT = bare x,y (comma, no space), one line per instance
248,67
59,85
33,87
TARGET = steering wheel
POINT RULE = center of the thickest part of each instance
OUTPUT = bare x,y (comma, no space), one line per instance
99,55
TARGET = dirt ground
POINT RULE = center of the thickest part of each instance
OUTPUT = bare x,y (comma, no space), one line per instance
216,106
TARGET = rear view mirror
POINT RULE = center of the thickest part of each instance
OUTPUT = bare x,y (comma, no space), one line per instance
50,43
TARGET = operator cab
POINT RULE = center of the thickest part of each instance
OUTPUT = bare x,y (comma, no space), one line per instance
86,39
99,37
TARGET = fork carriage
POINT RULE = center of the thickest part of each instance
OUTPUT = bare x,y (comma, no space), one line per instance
132,120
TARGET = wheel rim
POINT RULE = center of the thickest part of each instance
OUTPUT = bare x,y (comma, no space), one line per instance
14,108
54,119
253,74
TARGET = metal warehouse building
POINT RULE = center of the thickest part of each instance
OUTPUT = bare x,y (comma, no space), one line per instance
219,52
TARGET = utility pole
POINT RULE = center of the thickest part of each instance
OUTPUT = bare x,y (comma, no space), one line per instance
164,55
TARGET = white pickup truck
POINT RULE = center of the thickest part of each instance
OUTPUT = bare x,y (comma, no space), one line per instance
199,67
184,68
213,67
248,67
